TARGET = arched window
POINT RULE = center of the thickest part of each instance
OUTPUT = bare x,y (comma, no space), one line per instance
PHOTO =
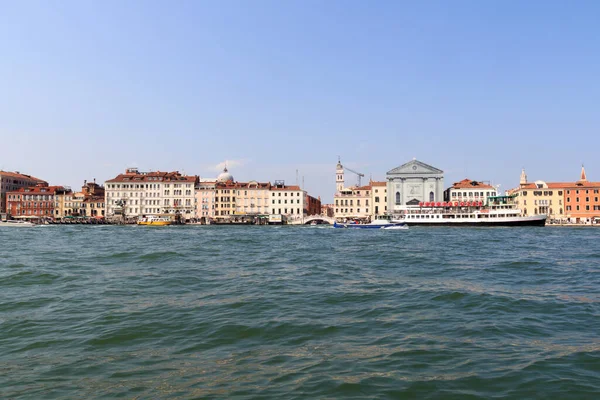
430,196
397,197
535,211
525,212
550,211
561,211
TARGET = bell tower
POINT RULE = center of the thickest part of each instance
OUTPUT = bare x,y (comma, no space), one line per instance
523,180
339,176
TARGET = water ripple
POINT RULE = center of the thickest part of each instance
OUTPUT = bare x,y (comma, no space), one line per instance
299,312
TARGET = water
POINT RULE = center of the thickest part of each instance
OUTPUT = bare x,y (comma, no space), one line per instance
299,312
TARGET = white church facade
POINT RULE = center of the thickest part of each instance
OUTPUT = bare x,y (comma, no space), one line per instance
413,182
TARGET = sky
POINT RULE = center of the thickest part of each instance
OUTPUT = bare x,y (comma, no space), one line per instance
280,89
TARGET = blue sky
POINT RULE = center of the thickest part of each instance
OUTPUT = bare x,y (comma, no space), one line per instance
479,89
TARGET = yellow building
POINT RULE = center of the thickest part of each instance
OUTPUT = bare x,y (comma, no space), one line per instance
353,203
252,198
379,198
541,197
89,202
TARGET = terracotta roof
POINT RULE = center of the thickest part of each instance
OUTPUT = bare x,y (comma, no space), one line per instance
19,176
373,183
470,184
243,185
561,185
149,177
294,187
37,189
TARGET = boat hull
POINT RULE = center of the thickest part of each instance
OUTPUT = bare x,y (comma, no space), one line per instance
369,226
518,221
17,224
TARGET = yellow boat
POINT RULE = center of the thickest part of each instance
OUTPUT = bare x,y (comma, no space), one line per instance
154,221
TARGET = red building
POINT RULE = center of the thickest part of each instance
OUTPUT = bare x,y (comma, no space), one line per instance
312,206
37,201
11,181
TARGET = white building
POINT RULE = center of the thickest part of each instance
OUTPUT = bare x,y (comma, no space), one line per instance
135,193
468,190
412,183
287,200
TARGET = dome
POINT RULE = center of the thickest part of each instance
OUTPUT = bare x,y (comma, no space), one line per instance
224,176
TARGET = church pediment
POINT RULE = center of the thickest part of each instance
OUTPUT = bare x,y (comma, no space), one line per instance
415,167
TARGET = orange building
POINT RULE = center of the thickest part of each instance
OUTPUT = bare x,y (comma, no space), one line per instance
582,200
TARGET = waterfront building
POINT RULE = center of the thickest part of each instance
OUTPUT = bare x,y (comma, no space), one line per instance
412,183
379,198
540,197
252,198
12,181
63,203
576,202
287,200
582,200
224,198
312,205
469,190
353,203
89,202
350,202
205,199
327,210
134,194
35,201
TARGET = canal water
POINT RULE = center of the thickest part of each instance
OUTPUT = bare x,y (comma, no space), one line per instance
299,313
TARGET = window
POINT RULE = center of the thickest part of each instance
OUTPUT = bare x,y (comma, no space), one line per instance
431,196
397,197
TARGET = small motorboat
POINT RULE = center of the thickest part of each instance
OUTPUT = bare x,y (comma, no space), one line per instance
17,224
394,227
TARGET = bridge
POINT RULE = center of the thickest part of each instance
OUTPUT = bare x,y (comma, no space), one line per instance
322,218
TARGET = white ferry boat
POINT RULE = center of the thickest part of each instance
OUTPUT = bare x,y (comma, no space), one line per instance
499,211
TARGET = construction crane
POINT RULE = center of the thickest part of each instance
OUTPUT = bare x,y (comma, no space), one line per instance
357,174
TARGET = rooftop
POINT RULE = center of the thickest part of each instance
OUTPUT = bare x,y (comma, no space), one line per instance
18,175
153,177
470,184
